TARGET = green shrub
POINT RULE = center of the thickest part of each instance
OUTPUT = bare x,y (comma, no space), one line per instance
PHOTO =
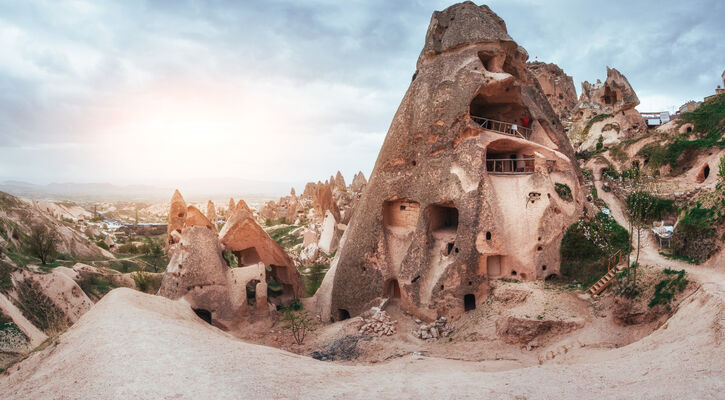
600,143
694,235
5,271
128,248
563,190
667,288
102,244
299,323
143,280
587,246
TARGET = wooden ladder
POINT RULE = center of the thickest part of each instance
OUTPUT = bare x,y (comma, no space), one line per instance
613,266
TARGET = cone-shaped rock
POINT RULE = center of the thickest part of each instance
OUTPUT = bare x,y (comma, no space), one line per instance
177,218
463,189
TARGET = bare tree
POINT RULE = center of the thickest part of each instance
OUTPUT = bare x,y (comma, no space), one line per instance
42,242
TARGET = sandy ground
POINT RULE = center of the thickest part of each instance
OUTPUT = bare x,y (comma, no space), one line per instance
132,345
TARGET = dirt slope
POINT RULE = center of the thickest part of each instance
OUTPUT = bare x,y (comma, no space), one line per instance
132,345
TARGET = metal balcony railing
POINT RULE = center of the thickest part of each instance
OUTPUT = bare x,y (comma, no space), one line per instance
505,128
511,166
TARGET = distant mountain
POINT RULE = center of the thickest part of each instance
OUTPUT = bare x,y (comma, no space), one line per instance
193,190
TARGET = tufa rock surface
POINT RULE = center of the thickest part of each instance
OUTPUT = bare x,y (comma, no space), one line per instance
456,199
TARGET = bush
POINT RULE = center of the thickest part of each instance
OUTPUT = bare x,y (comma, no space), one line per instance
587,246
143,280
299,323
667,288
128,248
102,244
5,270
694,235
564,191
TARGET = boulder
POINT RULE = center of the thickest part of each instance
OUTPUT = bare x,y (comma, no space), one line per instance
329,234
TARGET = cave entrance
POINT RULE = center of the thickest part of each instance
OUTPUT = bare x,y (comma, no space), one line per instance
342,314
392,289
493,266
251,289
703,174
610,96
469,302
203,314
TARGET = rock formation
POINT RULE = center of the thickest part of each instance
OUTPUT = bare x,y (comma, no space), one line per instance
556,85
606,110
198,273
242,236
177,218
194,217
211,212
463,189
340,182
358,182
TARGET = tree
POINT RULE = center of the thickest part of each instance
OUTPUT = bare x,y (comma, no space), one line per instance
42,242
642,209
721,169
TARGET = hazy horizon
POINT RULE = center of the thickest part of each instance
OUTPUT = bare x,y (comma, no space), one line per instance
159,93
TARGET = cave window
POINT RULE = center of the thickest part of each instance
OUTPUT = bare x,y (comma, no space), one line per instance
706,171
469,302
689,129
203,314
513,273
343,314
543,267
488,235
449,248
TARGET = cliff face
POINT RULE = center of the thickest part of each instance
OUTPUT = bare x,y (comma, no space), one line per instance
463,189
615,100
558,87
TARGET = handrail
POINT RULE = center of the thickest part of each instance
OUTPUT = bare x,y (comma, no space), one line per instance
616,256
510,166
506,128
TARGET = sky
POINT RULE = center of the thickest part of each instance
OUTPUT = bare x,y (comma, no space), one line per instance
159,92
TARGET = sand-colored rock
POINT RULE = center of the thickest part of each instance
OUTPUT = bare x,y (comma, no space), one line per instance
358,182
64,292
438,218
177,217
211,213
558,87
194,217
251,244
614,98
329,234
340,181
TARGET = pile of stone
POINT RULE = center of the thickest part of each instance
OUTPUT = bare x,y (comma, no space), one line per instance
433,331
379,324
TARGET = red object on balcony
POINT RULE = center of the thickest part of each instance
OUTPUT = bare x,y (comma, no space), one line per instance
526,120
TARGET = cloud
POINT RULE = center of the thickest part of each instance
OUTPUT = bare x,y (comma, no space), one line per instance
143,91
